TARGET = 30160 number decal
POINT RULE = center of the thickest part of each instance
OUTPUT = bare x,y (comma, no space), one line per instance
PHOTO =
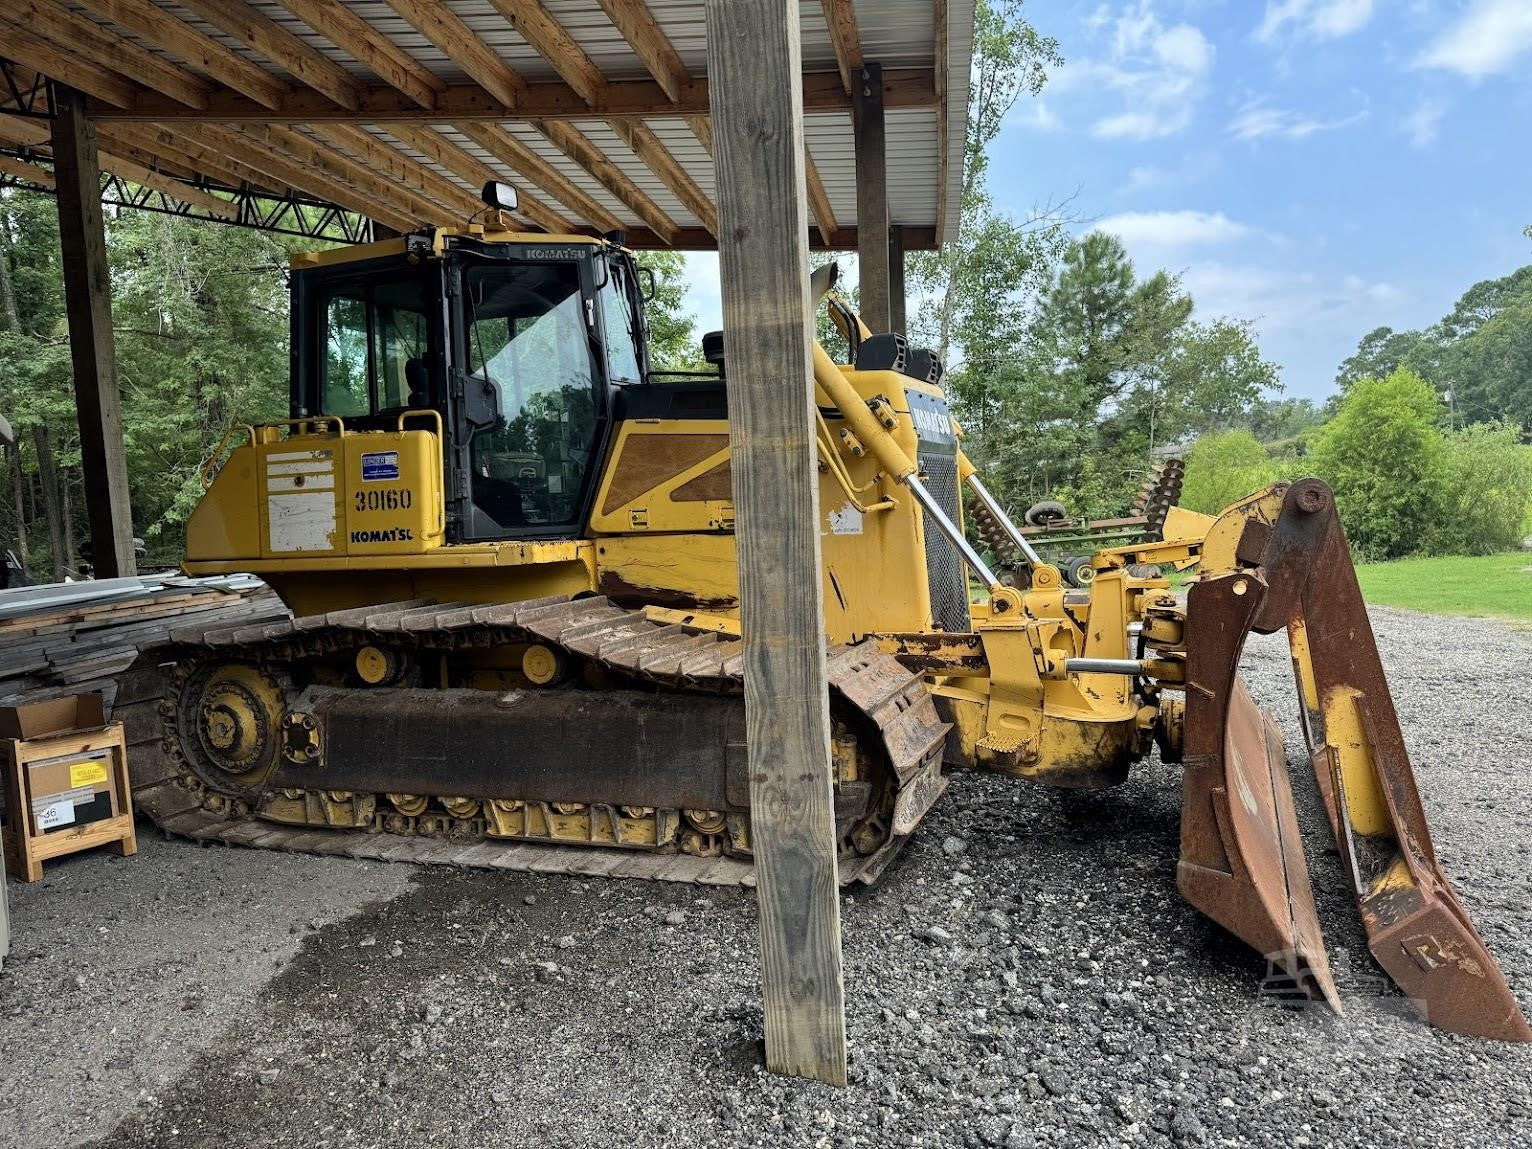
384,500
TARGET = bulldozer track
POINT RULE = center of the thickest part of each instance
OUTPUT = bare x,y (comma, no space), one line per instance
893,700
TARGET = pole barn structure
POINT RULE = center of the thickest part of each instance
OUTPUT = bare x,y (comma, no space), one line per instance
760,129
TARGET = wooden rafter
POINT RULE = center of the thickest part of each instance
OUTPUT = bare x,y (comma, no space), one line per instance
320,156
155,24
840,18
300,60
102,46
819,199
23,130
463,46
281,166
391,163
440,150
648,40
578,146
537,26
521,159
168,144
702,128
345,29
647,146
545,99
21,170
66,66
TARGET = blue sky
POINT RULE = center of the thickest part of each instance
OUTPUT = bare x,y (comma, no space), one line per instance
1319,167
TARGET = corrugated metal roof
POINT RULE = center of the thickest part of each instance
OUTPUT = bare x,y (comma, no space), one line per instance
895,33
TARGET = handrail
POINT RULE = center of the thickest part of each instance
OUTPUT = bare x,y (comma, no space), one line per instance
422,412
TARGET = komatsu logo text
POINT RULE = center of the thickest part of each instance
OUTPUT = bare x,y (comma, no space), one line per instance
392,535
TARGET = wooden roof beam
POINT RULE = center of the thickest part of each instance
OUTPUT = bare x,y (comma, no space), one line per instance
25,130
819,200
433,20
21,170
167,143
300,60
578,146
102,46
537,26
322,157
649,43
544,100
840,18
66,66
202,52
391,163
440,150
647,146
281,166
392,64
529,165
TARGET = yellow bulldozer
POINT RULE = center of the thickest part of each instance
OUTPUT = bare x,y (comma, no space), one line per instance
508,547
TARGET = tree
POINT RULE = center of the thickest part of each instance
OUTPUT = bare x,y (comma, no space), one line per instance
1381,352
983,274
1383,455
673,344
1223,468
1487,492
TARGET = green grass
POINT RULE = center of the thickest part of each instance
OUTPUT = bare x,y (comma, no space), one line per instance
1489,586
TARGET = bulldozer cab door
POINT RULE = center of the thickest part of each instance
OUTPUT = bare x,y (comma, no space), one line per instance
367,343
539,339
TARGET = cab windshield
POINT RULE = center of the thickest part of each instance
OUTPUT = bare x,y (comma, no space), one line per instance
529,337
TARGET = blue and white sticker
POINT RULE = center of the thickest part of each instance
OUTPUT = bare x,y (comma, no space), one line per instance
380,466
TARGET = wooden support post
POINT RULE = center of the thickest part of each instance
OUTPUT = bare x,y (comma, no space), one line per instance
753,53
871,199
897,317
88,304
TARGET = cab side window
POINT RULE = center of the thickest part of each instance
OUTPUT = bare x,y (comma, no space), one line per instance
376,346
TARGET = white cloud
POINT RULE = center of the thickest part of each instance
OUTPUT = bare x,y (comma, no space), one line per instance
1034,113
1424,122
1489,38
1259,120
1313,19
1172,231
1160,71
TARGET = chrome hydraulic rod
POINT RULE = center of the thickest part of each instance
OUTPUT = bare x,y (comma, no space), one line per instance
994,508
948,528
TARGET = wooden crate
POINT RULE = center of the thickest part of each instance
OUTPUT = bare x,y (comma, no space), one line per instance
94,760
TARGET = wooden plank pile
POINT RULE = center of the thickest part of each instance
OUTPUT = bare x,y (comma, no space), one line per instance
77,637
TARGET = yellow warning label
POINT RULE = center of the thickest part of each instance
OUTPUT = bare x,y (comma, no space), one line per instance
87,773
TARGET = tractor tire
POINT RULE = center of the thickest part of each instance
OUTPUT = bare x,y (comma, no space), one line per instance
1048,511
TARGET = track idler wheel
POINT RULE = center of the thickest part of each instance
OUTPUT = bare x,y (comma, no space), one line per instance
229,718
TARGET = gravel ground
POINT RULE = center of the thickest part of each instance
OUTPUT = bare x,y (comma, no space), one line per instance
1025,975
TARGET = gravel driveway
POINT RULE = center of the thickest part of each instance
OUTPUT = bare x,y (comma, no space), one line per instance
1025,975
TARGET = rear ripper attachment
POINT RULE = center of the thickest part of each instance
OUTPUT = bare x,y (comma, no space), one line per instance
609,730
1279,560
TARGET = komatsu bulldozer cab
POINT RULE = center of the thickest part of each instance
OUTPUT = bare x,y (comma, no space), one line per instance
515,345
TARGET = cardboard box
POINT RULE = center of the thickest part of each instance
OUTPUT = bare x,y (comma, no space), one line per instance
66,781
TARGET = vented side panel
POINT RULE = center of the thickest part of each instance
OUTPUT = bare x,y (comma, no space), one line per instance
944,566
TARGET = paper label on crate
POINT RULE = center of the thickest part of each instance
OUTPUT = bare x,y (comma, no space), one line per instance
87,773
59,812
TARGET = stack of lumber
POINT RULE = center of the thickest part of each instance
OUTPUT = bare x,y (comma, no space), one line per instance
71,638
